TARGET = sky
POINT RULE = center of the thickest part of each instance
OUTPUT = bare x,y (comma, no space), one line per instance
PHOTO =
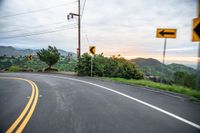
125,27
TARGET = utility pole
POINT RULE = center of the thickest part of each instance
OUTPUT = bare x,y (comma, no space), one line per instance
71,16
79,30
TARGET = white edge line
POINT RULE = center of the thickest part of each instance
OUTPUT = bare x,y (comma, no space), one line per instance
139,101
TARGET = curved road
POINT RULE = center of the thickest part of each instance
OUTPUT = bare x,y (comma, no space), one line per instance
71,104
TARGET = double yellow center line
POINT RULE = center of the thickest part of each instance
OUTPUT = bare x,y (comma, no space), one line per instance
26,114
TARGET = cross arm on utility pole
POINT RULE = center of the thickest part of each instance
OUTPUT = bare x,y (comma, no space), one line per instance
71,16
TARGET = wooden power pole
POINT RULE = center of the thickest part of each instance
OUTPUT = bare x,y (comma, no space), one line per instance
79,30
71,16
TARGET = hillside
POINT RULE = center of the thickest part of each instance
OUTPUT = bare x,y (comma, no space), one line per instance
152,67
146,62
11,51
179,67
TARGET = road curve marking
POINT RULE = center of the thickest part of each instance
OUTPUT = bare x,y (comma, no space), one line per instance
34,96
137,100
28,116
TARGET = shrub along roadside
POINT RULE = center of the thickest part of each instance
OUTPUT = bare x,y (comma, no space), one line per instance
107,67
193,94
18,69
15,69
185,79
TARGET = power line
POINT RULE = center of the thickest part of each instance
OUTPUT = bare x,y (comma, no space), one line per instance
38,10
41,25
33,34
83,9
11,31
31,27
58,27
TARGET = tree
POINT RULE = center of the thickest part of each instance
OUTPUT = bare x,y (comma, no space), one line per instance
179,77
49,56
108,67
185,79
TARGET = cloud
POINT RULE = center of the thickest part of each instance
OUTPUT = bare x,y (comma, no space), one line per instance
114,26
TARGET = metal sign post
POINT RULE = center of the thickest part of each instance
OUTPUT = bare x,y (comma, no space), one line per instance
91,66
165,33
92,50
162,65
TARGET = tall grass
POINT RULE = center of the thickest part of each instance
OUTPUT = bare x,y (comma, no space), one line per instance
193,94
14,69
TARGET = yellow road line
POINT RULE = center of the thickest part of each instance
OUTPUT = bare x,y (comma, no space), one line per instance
21,116
28,116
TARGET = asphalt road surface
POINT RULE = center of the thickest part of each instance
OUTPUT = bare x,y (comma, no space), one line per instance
54,103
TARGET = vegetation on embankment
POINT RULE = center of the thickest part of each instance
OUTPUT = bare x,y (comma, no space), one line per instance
63,61
114,67
107,67
193,94
21,63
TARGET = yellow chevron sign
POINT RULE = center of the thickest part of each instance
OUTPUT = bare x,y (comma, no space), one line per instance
196,30
30,57
92,50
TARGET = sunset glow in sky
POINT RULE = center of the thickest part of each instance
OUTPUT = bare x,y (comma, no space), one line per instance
125,27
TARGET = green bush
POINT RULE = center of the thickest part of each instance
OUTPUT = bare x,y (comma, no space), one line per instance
83,65
15,69
185,79
107,67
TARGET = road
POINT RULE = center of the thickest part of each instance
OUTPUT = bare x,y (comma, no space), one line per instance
54,103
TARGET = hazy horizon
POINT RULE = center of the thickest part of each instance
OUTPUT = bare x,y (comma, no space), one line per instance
114,27
167,63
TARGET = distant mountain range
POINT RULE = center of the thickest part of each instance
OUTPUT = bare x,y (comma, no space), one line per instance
150,66
153,67
11,51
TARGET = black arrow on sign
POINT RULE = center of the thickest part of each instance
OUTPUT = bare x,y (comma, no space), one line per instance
197,29
30,57
92,50
166,33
